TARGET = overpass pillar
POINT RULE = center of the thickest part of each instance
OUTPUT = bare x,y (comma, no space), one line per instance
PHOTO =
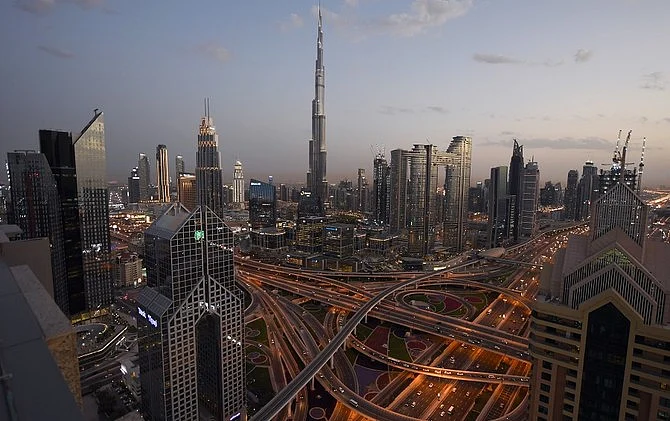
332,362
366,317
312,384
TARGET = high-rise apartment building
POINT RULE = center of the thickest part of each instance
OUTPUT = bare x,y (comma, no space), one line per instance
499,201
570,199
262,204
59,151
144,172
458,163
178,166
587,191
162,174
414,193
599,337
362,191
515,189
238,184
190,320
530,195
93,201
187,193
380,190
208,172
36,209
317,182
134,186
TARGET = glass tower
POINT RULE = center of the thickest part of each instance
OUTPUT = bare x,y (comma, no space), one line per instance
144,172
262,204
208,172
93,201
162,174
190,320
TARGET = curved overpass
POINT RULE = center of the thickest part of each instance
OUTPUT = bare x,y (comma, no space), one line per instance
282,398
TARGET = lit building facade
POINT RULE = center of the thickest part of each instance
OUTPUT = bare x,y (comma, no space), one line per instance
515,186
458,164
178,166
238,184
380,190
588,191
187,191
208,172
190,320
338,240
93,201
262,204
162,174
498,207
530,196
134,186
570,198
599,337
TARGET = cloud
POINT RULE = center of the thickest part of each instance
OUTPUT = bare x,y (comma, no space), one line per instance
437,109
421,16
643,119
506,133
667,120
294,21
495,59
587,143
43,7
654,81
582,55
213,51
391,110
56,52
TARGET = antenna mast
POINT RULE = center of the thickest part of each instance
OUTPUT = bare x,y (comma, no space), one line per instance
641,166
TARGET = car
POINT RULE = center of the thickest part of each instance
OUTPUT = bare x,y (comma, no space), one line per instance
430,384
442,413
491,376
453,390
502,405
467,394
441,405
459,374
413,404
340,389
418,393
496,347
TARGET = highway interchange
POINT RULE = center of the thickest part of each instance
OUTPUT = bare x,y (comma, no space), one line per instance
480,360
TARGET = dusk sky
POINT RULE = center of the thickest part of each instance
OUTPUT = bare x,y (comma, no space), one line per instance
561,76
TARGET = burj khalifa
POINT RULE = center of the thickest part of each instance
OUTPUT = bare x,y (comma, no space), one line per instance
316,176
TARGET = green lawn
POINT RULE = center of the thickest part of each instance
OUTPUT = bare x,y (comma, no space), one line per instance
259,324
362,332
352,354
398,348
258,383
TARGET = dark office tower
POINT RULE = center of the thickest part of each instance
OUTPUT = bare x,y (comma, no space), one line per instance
93,200
599,337
36,209
190,320
458,164
144,171
187,194
58,149
548,195
361,191
587,191
398,195
530,195
515,181
208,172
570,199
284,193
476,202
609,178
380,190
178,166
316,176
134,186
421,201
498,207
162,174
262,204
4,203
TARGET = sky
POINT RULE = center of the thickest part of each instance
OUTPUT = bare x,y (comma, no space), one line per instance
562,77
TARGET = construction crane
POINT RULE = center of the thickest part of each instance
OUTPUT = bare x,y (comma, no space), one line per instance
641,166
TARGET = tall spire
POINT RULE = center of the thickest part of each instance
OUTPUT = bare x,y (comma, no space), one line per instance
316,176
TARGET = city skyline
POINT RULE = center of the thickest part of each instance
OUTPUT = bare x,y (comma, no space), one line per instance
563,94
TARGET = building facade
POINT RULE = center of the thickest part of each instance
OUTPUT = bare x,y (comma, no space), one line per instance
187,191
162,174
262,204
530,197
144,172
238,184
380,190
93,201
178,166
570,198
190,320
599,337
317,181
515,190
498,208
208,172
134,186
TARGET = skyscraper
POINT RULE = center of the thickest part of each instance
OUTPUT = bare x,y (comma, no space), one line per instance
380,190
36,209
190,320
316,176
93,200
530,195
362,191
262,204
498,207
144,172
162,174
178,166
398,193
515,189
570,199
59,151
238,184
587,191
599,337
186,191
458,164
208,172
134,186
